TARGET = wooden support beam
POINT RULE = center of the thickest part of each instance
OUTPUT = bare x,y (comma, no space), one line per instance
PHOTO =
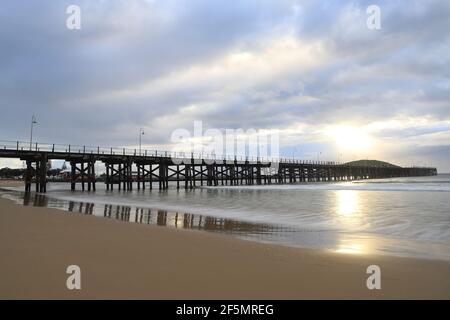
151,177
28,176
138,177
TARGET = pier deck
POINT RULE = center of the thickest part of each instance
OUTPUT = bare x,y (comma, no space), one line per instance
128,168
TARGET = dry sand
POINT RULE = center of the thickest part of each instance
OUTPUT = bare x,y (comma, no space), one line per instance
124,260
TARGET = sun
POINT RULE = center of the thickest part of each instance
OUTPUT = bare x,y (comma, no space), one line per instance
350,138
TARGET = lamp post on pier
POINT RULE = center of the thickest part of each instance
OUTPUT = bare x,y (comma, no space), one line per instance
33,122
141,133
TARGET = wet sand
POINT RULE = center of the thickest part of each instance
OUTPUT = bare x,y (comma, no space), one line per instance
11,183
121,260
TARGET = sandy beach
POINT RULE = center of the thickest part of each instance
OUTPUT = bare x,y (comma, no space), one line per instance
123,260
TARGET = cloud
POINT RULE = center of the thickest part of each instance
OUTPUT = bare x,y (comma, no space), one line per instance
297,66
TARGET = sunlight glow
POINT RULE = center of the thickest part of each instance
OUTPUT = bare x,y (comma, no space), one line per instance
350,138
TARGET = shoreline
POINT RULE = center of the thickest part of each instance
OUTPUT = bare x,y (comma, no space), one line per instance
11,183
124,261
362,243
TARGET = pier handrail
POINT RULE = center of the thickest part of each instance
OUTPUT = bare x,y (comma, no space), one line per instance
71,149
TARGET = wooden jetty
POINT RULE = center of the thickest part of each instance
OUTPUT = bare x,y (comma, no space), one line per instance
127,169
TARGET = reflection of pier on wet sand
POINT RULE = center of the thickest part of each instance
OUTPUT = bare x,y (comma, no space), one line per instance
153,216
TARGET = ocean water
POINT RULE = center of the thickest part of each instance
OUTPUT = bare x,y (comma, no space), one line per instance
401,216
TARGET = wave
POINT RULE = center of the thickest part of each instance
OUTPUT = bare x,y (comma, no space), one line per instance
363,186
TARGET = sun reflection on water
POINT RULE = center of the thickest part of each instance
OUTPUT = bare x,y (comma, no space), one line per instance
353,248
348,202
348,211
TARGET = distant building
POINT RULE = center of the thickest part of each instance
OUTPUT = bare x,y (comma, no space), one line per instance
64,174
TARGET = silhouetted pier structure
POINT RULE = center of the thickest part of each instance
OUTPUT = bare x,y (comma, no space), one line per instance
126,168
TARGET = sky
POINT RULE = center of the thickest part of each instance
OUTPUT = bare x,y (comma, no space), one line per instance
333,88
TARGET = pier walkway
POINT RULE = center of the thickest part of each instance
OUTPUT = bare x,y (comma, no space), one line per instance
126,169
